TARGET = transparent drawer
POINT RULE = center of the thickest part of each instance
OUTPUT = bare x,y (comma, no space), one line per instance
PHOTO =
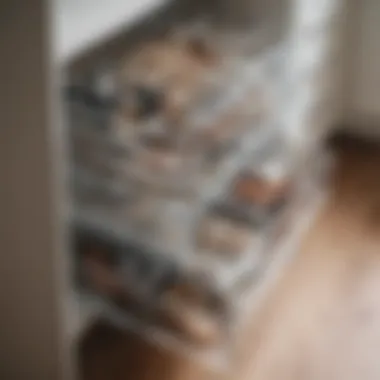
148,292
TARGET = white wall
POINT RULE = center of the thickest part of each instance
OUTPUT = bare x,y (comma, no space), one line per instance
363,66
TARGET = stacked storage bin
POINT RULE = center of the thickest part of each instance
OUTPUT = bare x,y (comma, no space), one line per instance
185,176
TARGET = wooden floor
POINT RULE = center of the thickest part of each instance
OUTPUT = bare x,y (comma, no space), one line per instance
321,322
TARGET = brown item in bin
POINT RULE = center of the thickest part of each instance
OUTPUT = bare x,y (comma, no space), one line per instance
160,161
99,274
131,305
173,70
159,156
253,190
221,235
186,311
105,282
222,132
140,102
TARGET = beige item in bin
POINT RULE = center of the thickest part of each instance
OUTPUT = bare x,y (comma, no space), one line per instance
159,160
223,236
158,163
113,287
185,310
175,69
252,189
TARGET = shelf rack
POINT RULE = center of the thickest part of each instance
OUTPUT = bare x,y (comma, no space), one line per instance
33,157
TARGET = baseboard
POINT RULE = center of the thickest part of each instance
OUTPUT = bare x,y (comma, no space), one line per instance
361,126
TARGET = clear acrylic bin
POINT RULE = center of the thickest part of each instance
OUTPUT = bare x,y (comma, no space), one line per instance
182,178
